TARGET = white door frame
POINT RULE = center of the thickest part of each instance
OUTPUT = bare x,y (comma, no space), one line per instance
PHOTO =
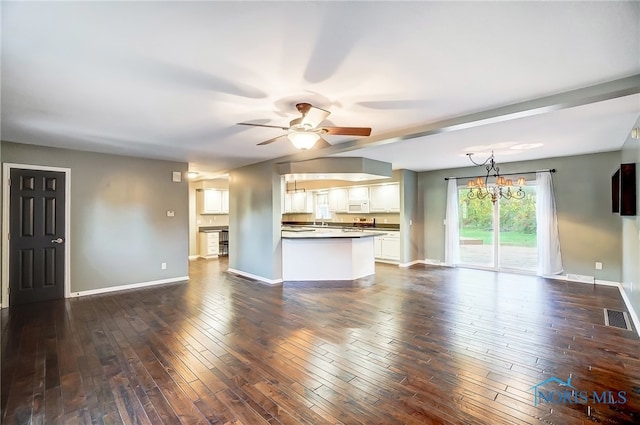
5,225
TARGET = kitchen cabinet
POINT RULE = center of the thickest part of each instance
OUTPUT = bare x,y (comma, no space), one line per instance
337,198
225,202
384,198
300,202
215,201
209,244
389,246
358,193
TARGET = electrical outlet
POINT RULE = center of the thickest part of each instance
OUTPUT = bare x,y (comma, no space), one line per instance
598,265
171,213
163,266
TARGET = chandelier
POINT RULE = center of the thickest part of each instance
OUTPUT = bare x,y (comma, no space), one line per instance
500,188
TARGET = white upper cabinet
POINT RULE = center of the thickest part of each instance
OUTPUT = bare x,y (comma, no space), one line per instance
301,202
337,198
384,198
225,202
359,193
215,201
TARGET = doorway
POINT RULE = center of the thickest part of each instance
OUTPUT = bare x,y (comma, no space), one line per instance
500,236
36,230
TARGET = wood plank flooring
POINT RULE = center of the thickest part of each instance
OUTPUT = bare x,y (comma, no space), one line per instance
407,346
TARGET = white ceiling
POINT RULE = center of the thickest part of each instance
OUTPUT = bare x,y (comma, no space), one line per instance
170,80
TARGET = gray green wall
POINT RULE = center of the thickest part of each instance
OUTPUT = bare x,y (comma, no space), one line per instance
120,233
631,231
411,224
255,211
589,232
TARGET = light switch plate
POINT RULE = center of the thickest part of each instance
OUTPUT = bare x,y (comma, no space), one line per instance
176,176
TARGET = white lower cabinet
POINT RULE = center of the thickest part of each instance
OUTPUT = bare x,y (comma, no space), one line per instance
387,247
209,244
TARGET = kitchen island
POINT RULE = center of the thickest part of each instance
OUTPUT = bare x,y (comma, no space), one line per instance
327,254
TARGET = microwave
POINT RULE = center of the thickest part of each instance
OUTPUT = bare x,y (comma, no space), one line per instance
358,207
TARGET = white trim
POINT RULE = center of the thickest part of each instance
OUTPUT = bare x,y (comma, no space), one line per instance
194,257
129,286
568,278
608,283
410,263
255,277
632,312
433,262
6,172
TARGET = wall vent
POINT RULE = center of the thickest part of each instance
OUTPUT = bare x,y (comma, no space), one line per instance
581,278
616,319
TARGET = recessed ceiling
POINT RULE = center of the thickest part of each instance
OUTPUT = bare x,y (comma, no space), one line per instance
170,80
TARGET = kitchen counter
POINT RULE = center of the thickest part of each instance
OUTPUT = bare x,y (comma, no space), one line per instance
212,228
338,225
324,232
327,254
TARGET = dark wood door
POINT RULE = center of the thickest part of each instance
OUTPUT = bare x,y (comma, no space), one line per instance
36,236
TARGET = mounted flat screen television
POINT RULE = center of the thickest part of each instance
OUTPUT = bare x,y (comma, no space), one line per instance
623,190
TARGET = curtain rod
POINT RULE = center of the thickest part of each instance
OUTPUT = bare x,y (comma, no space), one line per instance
552,170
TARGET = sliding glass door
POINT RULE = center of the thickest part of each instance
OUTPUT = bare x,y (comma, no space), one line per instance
498,236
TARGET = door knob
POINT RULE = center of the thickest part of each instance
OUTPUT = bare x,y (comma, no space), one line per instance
59,240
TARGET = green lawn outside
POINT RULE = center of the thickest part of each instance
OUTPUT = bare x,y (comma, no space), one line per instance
506,238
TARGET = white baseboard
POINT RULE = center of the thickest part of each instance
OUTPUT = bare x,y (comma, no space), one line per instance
410,263
130,286
194,257
632,312
433,262
255,277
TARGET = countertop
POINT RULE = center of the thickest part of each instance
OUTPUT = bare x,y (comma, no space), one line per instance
339,225
207,229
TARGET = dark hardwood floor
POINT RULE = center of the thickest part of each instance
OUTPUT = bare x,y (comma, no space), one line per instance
408,346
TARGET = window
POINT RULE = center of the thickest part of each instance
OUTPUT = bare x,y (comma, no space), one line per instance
501,235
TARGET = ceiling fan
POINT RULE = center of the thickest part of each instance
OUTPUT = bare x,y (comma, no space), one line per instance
305,132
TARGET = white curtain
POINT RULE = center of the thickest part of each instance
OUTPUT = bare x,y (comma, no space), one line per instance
549,258
452,235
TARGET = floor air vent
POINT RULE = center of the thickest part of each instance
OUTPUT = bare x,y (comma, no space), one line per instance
617,319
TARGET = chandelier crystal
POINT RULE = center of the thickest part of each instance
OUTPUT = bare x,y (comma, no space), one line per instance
480,188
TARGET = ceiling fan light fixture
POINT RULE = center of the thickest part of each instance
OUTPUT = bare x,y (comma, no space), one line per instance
303,140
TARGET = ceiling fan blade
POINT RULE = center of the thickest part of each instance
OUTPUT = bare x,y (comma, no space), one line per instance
312,115
266,142
321,144
347,131
263,125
